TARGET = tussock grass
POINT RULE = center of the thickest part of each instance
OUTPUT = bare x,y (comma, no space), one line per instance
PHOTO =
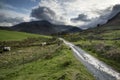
49,62
101,42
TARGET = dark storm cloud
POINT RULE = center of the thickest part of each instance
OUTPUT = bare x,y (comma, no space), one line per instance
81,17
43,13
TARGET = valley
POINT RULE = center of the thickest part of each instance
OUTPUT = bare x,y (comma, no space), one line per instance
59,40
30,60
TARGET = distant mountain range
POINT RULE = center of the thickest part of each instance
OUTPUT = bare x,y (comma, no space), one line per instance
47,28
44,28
112,26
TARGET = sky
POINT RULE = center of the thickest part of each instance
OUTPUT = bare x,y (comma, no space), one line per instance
80,13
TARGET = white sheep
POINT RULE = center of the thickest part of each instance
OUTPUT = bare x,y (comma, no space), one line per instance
44,43
6,48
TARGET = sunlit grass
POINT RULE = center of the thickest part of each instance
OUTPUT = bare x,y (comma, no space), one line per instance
14,36
54,63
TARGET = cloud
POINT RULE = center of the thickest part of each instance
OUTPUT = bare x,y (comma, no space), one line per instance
65,11
43,13
9,17
4,18
105,15
81,13
81,17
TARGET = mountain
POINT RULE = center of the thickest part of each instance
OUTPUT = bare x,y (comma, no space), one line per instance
4,28
71,30
43,27
112,24
108,31
115,21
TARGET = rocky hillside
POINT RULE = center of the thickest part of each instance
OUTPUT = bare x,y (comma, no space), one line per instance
43,27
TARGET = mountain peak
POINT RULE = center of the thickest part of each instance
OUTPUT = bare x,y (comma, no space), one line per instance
115,21
43,27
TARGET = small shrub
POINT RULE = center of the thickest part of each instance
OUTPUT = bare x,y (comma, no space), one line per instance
62,77
48,56
66,63
113,54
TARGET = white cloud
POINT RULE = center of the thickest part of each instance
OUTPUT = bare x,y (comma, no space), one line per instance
10,17
69,12
66,10
5,24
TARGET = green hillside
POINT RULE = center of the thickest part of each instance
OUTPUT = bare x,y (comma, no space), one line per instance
42,63
14,36
102,42
30,60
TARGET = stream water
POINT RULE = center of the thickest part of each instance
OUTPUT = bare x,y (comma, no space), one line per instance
99,69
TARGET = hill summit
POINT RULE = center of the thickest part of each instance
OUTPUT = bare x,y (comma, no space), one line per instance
44,28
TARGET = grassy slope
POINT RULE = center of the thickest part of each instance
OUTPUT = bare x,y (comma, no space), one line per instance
102,42
51,62
27,62
13,35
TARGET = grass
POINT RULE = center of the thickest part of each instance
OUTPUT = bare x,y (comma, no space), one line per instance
101,42
50,62
95,49
17,36
115,35
29,60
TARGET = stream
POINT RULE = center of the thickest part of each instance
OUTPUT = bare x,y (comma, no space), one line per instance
99,69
